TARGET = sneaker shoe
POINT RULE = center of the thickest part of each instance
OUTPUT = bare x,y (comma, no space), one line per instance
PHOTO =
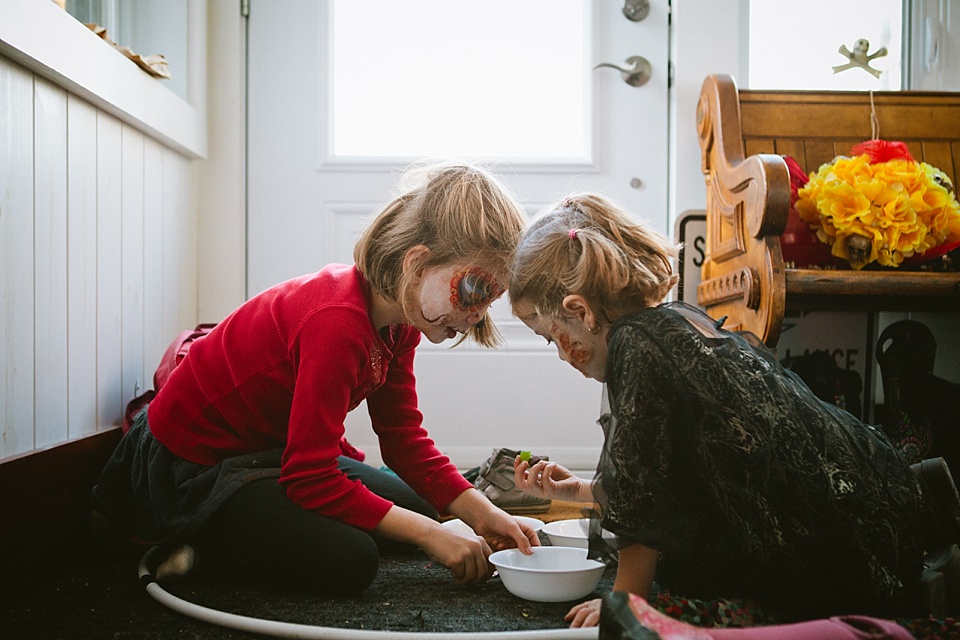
495,480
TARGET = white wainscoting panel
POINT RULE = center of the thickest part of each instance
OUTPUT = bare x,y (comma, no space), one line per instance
50,262
109,216
98,261
81,261
16,258
179,247
156,337
131,259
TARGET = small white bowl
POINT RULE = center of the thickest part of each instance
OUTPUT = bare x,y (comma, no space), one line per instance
459,526
572,533
551,574
463,528
533,523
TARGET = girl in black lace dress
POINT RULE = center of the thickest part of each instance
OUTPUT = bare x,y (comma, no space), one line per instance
721,473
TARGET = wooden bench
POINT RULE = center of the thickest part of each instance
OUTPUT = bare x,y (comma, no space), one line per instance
743,136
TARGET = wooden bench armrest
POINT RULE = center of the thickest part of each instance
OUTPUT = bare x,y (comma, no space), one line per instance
748,199
759,185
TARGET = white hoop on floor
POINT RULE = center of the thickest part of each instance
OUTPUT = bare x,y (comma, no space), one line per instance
281,629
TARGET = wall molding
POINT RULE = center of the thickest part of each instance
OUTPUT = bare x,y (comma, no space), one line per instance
44,498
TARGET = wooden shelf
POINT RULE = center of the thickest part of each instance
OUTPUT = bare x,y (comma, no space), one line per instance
822,289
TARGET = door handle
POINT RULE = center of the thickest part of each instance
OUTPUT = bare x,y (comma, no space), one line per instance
636,75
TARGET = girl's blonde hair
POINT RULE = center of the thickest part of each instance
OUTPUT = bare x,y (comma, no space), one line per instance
587,245
460,212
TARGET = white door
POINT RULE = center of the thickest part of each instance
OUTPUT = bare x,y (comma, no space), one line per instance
325,152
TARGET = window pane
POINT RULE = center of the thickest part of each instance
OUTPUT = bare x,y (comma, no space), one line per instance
86,10
146,27
797,46
495,79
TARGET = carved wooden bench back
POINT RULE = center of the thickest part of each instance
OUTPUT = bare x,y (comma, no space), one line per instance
816,127
743,135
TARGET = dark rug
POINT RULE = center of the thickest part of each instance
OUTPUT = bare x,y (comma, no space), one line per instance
101,598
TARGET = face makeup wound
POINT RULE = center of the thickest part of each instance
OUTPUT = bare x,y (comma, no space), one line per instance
457,298
575,353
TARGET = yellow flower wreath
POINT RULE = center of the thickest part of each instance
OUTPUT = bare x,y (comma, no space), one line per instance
882,212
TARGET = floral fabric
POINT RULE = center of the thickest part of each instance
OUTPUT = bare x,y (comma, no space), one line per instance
748,485
720,613
739,613
932,628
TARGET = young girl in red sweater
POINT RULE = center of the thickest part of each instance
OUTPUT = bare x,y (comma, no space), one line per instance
238,456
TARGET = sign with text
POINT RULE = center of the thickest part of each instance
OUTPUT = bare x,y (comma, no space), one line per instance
691,232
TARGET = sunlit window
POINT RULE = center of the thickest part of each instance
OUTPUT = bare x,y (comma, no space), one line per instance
798,46
106,14
494,79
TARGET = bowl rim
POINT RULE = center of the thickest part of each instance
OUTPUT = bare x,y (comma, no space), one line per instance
455,523
558,529
503,552
560,523
535,523
555,531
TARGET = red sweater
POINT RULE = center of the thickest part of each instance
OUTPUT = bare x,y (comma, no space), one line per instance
283,370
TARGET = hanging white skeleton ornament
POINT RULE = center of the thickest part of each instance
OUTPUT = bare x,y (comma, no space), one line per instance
860,58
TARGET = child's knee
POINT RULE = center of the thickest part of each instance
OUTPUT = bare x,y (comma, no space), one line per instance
346,568
362,575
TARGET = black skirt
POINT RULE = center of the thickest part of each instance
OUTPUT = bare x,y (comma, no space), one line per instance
159,497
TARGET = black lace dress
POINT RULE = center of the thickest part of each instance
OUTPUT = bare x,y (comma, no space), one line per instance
746,483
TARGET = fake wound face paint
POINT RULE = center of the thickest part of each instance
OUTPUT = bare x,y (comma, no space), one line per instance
576,354
473,288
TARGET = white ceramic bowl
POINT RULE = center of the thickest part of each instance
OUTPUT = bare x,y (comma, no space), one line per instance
571,533
463,528
551,574
459,526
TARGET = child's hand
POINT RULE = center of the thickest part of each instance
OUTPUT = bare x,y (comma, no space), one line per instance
496,526
503,531
585,614
546,480
464,555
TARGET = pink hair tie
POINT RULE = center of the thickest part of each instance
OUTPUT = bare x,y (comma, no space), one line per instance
573,233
